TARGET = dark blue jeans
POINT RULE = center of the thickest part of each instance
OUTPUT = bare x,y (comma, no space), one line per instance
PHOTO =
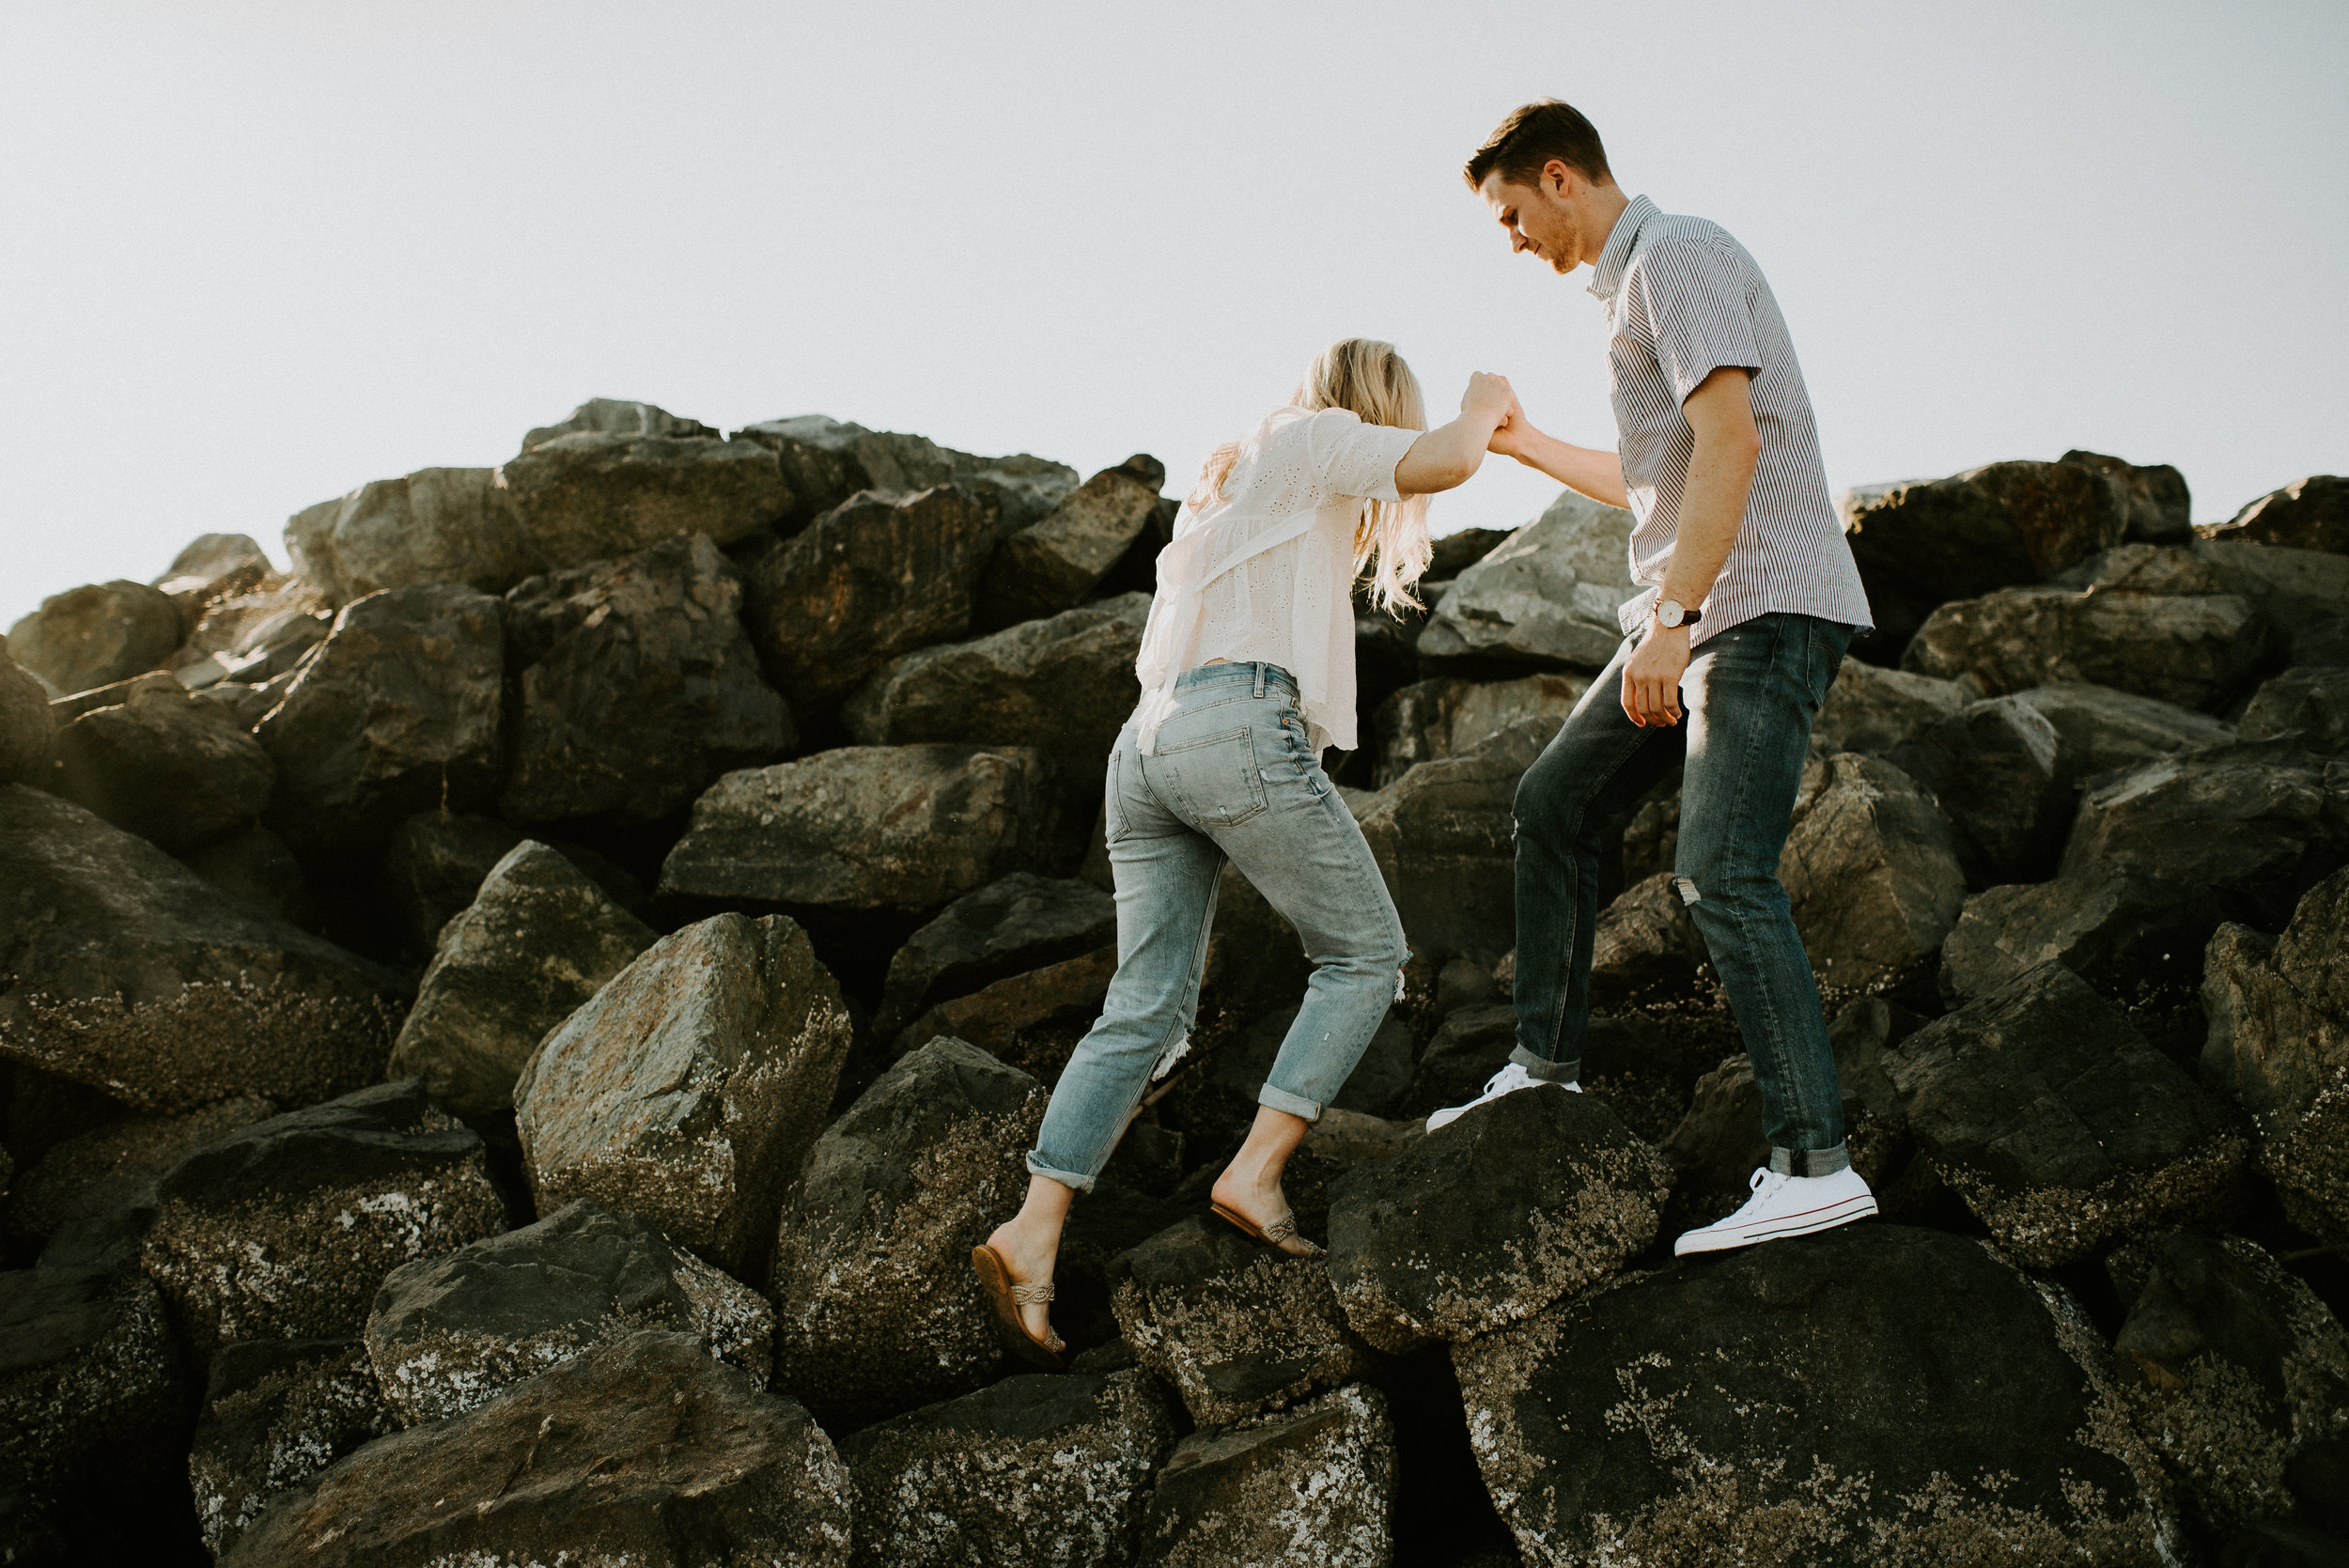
1746,700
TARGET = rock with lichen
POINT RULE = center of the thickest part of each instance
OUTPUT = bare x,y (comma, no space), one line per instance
109,1169
275,1413
1036,1468
1234,1326
281,1230
451,1333
1315,1485
876,1308
1492,1218
1871,1394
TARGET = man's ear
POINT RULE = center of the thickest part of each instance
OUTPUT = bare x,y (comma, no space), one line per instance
1560,177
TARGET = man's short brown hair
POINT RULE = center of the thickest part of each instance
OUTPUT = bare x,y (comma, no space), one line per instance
1533,135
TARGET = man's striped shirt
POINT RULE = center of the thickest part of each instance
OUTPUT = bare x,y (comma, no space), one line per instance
1683,300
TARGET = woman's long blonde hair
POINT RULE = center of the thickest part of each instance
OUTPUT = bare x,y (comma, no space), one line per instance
1392,548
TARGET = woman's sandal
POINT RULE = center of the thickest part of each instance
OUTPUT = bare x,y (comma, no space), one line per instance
1007,1299
1281,1230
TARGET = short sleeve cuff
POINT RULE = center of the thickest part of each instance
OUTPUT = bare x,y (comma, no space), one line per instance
1392,443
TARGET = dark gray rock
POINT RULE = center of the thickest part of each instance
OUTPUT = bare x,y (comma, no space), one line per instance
136,977
1235,1327
2231,1369
1056,563
1314,1486
451,1332
2101,729
1470,1046
828,460
1007,927
2196,650
1457,552
398,713
1104,1224
281,1229
1030,1021
636,687
2279,1043
109,1169
2307,514
1644,946
2314,702
26,726
1491,1218
1034,1469
1873,709
878,1310
1997,769
96,635
1870,1394
1380,1074
2324,645
255,865
213,567
253,637
1544,597
2293,588
1870,870
2048,1112
536,943
594,494
165,762
865,827
1445,841
644,1451
689,1088
275,1413
878,576
1432,719
434,866
1063,686
620,416
2155,504
435,525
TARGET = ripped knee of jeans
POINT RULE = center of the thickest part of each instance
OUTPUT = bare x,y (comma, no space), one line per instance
1172,1054
1688,890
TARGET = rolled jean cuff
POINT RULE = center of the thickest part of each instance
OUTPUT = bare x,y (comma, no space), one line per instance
1541,1071
1810,1162
1067,1178
1281,1100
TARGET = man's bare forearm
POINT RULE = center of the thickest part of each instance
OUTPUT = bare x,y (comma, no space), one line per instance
1585,469
1720,478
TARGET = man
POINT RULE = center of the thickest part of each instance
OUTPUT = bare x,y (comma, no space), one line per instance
1751,597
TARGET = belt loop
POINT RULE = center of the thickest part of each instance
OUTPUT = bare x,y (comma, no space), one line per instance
1259,690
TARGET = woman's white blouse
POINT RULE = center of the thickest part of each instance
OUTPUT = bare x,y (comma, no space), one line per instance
1265,572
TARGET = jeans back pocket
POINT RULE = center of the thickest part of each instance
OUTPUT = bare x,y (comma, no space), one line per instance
1215,777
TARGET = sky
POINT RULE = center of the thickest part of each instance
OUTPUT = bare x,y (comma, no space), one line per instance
252,255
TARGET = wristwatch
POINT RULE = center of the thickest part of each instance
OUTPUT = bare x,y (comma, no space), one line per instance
1670,612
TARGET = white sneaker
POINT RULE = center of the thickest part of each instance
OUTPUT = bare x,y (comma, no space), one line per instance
1784,1206
1507,1081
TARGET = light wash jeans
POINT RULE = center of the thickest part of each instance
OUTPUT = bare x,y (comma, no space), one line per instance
1232,778
1746,700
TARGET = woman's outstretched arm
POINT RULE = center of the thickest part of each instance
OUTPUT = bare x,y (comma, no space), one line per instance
1445,457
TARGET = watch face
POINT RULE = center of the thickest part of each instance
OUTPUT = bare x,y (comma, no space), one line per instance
1668,613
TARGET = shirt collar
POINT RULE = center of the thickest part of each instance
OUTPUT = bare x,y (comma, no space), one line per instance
1607,275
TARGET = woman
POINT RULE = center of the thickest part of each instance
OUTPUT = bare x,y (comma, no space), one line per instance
1247,672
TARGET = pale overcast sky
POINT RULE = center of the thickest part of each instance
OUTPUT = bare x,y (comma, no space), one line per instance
257,254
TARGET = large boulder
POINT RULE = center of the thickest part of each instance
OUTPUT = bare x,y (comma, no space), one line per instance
1036,1468
1872,872
828,460
96,635
1873,709
107,1170
878,576
594,494
621,416
536,943
865,827
635,686
280,1230
2043,1107
434,526
397,713
878,1309
690,1087
1235,1327
1486,1221
1544,597
275,1413
1431,719
27,728
2294,588
254,864
2196,650
1031,1021
1063,686
1444,836
1871,1394
642,1452
165,762
2314,702
1008,928
2307,514
136,976
448,1333
2278,1043
2231,1369
1056,563
213,567
1997,769
2155,504
1313,1488
96,1402
251,637
2100,728
1644,946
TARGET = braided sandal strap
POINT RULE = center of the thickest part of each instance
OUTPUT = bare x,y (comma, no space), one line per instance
1283,1229
1030,1295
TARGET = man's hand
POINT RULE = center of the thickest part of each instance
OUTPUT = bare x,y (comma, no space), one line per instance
1651,677
1515,434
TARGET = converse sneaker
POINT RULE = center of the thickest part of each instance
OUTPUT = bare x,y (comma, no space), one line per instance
1784,1206
1507,1081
